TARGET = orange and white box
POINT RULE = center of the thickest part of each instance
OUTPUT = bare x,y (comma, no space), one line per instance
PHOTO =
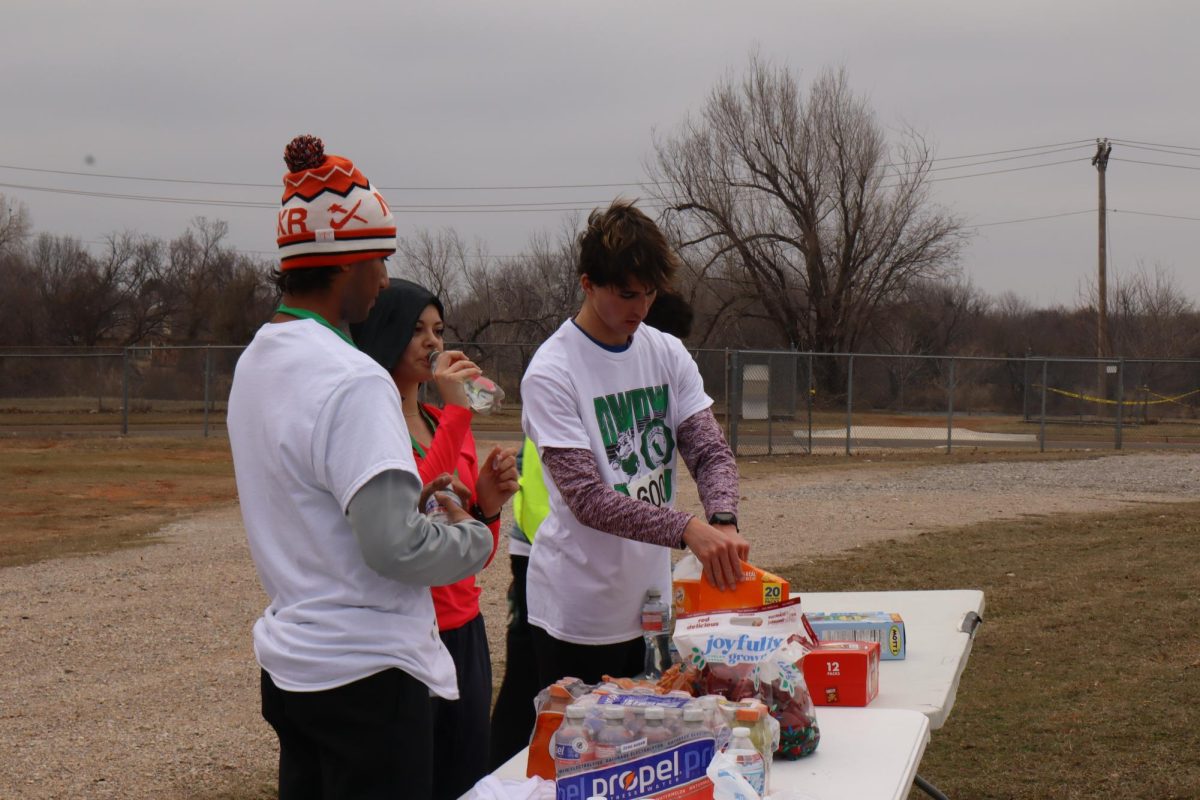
842,673
692,593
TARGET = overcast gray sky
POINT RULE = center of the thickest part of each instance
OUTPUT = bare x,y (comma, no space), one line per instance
473,94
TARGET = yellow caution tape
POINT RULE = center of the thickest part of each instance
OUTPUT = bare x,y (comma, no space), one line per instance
1104,400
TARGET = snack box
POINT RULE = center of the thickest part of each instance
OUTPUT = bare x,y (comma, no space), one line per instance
757,588
842,673
862,626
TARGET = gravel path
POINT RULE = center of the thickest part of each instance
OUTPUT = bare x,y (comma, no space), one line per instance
130,674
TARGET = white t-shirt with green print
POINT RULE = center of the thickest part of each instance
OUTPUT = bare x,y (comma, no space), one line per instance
584,585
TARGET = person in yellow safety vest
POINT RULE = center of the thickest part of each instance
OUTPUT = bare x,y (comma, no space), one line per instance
513,716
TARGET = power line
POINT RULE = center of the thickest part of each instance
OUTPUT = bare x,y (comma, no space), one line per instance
522,187
1008,158
1032,219
1152,214
467,208
574,205
1015,150
1159,150
1155,144
1156,163
999,171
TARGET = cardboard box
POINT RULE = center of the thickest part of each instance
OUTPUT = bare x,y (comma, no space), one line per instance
757,588
842,673
862,626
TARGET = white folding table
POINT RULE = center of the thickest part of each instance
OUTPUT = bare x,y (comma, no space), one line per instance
873,753
939,627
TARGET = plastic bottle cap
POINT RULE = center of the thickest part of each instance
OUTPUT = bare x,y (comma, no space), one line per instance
576,712
739,731
613,712
693,714
654,712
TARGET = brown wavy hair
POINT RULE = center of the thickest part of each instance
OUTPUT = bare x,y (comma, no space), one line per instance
622,243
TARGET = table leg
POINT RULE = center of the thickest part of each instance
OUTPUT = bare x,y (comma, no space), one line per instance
928,788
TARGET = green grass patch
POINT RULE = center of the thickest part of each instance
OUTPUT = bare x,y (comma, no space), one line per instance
1084,679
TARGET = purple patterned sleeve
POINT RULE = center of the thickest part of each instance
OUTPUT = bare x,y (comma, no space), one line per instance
599,506
708,457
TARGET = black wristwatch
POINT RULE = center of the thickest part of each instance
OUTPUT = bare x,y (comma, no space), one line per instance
478,514
724,518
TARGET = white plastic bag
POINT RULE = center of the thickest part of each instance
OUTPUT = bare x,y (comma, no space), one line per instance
727,780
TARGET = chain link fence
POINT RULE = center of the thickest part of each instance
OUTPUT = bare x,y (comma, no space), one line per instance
769,402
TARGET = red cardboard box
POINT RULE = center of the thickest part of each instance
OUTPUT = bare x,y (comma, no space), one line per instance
842,673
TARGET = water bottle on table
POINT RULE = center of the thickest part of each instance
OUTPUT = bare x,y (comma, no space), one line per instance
749,760
656,633
483,395
572,741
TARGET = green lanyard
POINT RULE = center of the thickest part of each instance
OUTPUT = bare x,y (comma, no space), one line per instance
428,419
304,313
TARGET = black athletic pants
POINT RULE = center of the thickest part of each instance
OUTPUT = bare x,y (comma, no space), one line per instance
460,727
558,659
513,716
368,739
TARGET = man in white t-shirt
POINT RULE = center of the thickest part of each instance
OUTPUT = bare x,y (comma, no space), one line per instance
330,496
611,404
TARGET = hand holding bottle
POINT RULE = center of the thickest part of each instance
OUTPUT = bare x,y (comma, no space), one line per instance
451,371
478,393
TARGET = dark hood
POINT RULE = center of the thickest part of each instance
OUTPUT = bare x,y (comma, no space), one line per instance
389,327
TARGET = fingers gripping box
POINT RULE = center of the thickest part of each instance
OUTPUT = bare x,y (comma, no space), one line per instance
842,673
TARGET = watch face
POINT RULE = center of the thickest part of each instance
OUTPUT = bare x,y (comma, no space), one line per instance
723,518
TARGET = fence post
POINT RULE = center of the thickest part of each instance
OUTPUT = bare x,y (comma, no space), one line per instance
770,425
1120,400
950,411
849,399
728,402
1025,390
125,392
1042,428
809,401
207,376
734,398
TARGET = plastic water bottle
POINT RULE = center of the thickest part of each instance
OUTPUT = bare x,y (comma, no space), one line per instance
436,511
656,633
656,730
483,395
614,734
572,742
693,720
749,760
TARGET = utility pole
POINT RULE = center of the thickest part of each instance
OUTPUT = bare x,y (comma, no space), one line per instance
1100,162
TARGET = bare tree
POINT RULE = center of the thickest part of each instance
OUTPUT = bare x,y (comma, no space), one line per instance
799,199
1150,316
438,261
14,224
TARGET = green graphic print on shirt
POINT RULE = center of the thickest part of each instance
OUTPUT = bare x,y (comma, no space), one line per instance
638,442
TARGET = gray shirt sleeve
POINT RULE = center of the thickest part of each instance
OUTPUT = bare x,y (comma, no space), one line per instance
401,543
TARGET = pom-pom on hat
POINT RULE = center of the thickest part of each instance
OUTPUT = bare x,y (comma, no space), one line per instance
331,213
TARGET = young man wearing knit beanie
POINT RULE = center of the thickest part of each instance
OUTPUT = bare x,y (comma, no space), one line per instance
330,497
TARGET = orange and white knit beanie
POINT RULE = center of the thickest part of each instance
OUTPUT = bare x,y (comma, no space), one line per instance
331,213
